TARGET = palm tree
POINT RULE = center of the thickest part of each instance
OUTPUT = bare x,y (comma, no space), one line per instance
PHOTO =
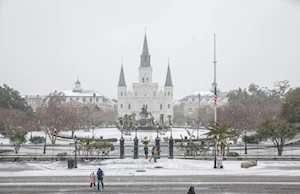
221,133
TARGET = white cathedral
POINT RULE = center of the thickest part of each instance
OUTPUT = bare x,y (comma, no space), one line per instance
145,93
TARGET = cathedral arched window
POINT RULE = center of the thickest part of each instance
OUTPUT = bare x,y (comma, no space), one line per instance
121,93
129,106
161,107
143,80
168,93
169,106
121,105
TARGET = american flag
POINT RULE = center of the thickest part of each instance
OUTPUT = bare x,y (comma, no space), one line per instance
215,95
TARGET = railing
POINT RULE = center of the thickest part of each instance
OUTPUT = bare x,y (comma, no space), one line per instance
35,152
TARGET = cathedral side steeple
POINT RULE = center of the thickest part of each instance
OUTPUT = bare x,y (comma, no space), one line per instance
169,78
122,77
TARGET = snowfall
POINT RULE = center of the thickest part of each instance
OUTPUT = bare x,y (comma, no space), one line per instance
142,166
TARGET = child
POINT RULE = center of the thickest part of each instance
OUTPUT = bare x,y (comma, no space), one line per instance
92,180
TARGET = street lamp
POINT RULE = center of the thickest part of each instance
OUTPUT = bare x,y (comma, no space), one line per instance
135,144
246,139
75,162
215,158
171,145
122,153
45,141
157,142
157,126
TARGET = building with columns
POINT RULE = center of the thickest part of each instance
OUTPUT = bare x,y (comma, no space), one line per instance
78,95
88,97
145,93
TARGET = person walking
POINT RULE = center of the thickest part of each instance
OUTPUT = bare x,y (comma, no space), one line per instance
155,154
146,151
100,175
93,180
191,190
152,152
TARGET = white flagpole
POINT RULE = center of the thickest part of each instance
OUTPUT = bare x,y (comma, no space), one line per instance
215,79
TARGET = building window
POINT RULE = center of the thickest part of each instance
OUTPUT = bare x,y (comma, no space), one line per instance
121,105
91,99
190,111
83,99
145,95
129,106
121,93
161,107
71,98
143,80
77,98
135,93
169,106
147,80
168,93
154,94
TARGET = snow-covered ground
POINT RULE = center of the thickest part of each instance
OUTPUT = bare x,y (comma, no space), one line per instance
142,167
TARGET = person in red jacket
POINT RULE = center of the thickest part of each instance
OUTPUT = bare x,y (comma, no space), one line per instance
93,180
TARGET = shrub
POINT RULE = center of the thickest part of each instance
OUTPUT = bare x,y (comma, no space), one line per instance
234,154
37,139
62,154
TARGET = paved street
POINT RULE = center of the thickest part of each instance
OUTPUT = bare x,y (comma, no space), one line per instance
154,184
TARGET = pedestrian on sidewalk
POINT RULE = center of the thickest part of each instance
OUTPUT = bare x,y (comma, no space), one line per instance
191,190
155,154
93,180
152,152
100,175
146,151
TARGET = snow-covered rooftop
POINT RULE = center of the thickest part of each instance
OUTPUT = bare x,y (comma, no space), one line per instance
85,93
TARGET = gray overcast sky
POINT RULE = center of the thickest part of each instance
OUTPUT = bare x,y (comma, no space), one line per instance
45,45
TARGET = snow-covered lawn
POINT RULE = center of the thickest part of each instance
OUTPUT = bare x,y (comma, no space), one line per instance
142,167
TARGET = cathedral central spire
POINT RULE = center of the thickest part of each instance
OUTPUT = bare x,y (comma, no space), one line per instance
145,57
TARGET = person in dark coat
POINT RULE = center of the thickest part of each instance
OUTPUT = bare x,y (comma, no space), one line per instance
152,154
146,151
100,175
191,190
